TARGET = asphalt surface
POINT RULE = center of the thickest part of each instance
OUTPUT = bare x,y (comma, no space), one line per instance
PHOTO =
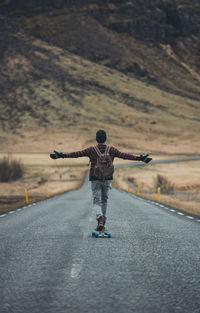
50,263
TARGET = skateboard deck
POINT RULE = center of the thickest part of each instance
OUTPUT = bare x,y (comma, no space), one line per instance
101,234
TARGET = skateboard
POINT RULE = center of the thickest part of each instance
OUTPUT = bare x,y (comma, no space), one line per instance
101,234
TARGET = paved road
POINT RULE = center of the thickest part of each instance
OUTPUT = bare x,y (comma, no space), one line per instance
50,263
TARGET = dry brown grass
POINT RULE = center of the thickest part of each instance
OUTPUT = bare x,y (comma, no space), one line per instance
183,175
57,100
137,116
43,178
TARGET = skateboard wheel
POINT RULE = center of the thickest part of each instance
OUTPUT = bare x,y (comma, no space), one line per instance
109,235
106,233
96,235
93,234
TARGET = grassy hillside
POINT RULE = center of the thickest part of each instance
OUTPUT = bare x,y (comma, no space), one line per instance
129,67
156,42
50,88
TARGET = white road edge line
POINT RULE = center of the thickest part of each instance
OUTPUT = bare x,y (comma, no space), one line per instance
11,212
190,217
3,215
179,213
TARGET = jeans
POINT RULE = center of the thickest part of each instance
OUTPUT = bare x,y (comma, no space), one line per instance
100,190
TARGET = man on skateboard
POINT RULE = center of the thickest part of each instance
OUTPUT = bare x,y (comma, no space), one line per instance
101,171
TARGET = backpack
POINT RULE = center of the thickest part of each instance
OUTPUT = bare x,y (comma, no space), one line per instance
104,167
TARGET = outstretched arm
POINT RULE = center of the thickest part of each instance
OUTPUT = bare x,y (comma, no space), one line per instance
77,154
128,156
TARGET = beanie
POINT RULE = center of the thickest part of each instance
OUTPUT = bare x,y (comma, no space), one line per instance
101,136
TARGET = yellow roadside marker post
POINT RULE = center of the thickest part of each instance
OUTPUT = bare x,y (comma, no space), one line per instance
158,194
48,193
26,196
138,190
129,188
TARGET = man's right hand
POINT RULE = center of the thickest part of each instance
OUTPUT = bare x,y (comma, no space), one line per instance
57,155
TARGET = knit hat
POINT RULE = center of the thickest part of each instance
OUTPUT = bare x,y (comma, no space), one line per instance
101,136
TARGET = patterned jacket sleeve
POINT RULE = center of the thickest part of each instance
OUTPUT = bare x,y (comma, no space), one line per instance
122,155
78,154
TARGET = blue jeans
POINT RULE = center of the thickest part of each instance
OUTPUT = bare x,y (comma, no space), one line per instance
100,190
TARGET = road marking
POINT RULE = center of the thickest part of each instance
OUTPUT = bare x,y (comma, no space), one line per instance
164,207
3,215
76,269
11,212
19,210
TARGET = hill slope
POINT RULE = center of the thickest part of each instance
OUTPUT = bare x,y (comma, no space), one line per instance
51,88
75,69
156,41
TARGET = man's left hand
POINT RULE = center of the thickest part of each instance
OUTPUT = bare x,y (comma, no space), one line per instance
144,158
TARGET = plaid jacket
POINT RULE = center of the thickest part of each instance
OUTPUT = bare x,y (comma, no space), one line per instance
92,155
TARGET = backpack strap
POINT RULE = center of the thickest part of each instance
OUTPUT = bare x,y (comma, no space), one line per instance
99,152
107,150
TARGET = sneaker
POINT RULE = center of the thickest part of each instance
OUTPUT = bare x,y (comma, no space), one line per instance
101,223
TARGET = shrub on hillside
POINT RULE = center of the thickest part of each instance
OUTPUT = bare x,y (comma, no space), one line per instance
10,170
42,180
132,180
165,185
